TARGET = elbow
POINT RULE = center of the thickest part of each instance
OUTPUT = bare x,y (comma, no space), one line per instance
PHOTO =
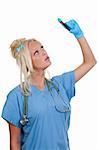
94,62
91,64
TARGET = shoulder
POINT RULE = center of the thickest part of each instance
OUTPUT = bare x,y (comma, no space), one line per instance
14,91
65,76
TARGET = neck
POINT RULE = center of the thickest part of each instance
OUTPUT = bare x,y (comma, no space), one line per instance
38,78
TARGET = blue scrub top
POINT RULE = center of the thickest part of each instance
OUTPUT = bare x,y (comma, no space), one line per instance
47,128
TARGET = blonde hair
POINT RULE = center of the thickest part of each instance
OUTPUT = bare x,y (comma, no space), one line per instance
23,59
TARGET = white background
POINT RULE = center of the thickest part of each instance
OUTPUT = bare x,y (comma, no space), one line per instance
38,19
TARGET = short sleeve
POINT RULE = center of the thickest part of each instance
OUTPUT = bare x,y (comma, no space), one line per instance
10,112
67,79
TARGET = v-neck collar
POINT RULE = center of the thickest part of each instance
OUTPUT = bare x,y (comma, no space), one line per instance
37,89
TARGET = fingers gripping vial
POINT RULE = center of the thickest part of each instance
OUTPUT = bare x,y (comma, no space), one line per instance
73,27
64,24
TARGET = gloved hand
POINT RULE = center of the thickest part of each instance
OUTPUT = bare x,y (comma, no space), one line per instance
75,28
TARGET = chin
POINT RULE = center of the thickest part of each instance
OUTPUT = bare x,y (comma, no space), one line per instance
47,65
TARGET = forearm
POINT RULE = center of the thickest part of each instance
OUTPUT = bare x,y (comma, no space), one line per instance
88,56
15,137
15,146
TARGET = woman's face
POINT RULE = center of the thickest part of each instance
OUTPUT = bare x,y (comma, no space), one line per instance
40,58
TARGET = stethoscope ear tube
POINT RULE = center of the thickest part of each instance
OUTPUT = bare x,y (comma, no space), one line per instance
24,119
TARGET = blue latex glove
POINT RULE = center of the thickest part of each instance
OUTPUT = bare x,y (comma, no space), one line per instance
75,28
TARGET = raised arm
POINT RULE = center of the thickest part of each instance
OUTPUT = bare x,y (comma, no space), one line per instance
88,58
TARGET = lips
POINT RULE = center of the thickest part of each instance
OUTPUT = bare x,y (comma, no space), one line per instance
46,58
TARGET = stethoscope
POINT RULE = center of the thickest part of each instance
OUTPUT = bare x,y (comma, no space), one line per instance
24,119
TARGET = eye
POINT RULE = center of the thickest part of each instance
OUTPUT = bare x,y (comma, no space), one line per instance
36,52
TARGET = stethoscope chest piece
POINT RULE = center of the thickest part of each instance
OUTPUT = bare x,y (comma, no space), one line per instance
24,120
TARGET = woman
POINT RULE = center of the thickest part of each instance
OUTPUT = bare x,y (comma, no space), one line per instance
42,122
